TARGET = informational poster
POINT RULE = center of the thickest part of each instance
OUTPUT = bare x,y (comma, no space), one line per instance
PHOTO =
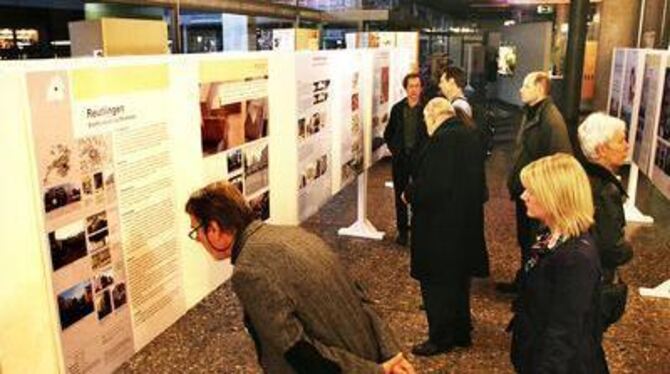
381,106
283,40
632,85
314,100
661,168
589,72
616,83
106,181
234,126
645,135
352,152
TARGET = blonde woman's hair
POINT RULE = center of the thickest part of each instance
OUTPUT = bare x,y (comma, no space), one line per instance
561,186
436,111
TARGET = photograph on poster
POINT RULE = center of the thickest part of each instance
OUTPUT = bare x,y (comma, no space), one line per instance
67,244
238,182
98,239
256,122
96,222
234,161
103,280
59,196
222,126
313,171
384,94
103,304
94,153
59,163
261,206
630,82
101,259
75,303
119,297
255,167
354,102
664,121
302,128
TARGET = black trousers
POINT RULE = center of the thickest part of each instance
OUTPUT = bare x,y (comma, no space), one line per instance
447,307
526,234
400,168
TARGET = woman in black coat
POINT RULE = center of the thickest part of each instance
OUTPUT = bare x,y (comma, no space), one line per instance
556,324
446,195
603,141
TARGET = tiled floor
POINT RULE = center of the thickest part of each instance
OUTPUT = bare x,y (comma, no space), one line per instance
211,339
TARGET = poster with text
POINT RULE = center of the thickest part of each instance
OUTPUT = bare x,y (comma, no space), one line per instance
645,134
352,142
381,106
106,183
314,102
234,124
661,168
633,73
616,84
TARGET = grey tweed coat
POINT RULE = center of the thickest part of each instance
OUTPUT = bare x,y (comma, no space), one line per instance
292,287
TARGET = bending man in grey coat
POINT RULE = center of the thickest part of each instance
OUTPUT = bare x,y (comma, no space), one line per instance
302,311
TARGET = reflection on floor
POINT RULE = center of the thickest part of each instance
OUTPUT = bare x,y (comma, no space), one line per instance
211,338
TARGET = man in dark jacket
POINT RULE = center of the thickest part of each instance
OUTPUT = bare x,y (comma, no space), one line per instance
446,197
303,312
404,135
543,132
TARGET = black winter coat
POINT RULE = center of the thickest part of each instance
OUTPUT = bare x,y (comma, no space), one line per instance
610,221
556,325
543,132
447,197
394,134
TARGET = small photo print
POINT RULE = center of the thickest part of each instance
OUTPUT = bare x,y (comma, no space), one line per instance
238,182
234,161
96,222
67,244
103,280
302,128
255,168
60,196
94,153
75,303
261,206
103,304
101,259
222,125
256,120
119,297
354,102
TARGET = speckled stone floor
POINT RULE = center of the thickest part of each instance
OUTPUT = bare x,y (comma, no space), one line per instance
210,338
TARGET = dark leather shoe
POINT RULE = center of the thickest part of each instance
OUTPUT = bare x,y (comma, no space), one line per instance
507,288
402,239
429,348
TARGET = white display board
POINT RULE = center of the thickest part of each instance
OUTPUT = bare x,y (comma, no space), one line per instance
616,82
660,174
105,152
649,110
631,95
381,106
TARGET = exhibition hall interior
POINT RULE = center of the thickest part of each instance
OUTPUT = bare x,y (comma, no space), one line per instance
335,186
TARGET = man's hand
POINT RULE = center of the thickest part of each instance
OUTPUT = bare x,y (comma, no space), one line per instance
398,365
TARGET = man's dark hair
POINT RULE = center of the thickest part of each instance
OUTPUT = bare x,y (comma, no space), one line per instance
457,74
223,203
405,81
543,80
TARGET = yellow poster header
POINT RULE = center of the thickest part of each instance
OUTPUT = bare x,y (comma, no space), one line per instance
92,83
232,70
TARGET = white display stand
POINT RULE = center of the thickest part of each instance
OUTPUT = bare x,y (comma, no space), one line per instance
662,290
362,228
631,212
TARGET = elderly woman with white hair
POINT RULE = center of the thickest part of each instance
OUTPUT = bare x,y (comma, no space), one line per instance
446,196
603,141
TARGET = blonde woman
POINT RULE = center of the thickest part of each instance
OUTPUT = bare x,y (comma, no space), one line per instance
447,246
556,316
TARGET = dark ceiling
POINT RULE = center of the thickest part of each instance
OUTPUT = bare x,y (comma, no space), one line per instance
470,8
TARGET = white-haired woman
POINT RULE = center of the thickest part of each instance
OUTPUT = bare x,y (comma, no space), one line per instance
446,197
556,315
603,141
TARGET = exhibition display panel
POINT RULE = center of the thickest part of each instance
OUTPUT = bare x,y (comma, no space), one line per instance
105,152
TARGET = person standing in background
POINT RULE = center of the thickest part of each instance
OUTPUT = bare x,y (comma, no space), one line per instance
404,135
543,132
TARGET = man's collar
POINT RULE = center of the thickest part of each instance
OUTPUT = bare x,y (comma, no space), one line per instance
241,239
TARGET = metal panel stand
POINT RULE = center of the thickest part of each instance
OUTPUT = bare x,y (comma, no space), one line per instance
362,228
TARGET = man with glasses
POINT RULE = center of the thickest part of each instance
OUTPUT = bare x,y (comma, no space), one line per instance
302,311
